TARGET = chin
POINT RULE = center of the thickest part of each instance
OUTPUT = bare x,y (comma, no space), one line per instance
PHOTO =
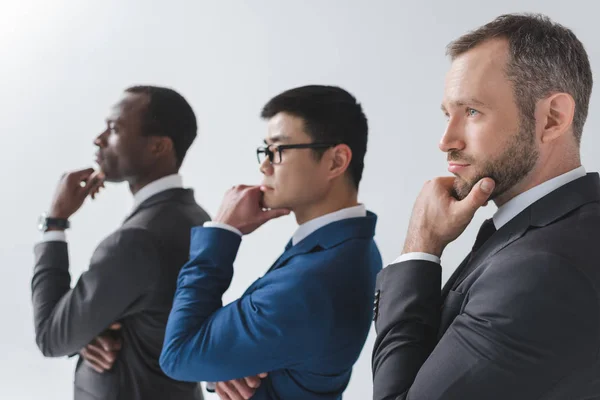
272,202
461,188
268,201
113,178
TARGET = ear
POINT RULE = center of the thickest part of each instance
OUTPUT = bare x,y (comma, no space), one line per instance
161,145
340,158
556,113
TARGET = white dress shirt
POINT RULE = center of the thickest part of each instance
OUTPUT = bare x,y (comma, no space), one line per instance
173,181
512,208
308,227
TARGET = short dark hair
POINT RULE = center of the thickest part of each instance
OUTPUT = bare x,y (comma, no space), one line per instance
544,58
330,114
168,114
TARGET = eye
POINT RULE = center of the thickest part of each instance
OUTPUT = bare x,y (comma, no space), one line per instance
471,112
112,127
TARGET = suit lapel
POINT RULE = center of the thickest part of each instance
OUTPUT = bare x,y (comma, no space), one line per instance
177,194
506,235
499,240
453,278
288,246
329,236
305,246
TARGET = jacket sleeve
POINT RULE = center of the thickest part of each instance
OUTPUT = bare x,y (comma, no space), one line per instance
527,324
121,271
260,332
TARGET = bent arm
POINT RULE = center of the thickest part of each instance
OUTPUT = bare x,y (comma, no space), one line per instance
527,325
121,271
260,332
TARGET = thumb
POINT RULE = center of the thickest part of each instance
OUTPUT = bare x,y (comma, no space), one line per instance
262,375
479,195
82,174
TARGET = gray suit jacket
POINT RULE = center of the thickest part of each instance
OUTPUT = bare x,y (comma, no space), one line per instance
131,279
523,324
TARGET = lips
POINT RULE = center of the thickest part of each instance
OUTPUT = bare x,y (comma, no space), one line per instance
453,164
456,167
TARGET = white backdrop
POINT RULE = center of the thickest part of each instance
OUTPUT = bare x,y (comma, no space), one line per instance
65,62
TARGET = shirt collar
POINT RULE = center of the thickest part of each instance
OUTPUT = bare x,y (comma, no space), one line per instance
309,227
160,185
519,203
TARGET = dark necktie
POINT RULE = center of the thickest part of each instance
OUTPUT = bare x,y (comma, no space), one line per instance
485,232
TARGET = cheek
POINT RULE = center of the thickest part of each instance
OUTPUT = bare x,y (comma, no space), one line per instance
112,141
288,179
114,146
486,140
295,178
126,149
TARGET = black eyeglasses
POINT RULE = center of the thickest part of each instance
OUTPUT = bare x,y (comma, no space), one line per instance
273,152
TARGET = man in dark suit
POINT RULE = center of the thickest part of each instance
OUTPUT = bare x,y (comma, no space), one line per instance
520,317
131,280
306,320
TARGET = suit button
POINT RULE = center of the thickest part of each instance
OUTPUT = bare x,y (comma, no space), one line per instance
376,304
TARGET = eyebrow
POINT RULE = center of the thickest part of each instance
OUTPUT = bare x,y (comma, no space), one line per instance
468,102
277,138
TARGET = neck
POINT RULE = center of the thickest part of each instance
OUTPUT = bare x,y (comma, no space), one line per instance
331,203
542,173
137,183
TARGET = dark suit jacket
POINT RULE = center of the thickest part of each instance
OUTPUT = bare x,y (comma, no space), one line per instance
524,323
131,279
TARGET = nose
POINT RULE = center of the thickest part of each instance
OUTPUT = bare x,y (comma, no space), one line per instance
266,167
452,139
100,140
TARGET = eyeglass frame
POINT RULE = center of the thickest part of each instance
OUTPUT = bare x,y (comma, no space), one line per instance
271,154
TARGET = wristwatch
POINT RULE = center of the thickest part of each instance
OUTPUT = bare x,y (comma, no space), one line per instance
45,222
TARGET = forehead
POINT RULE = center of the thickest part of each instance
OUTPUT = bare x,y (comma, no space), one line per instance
286,128
479,74
128,106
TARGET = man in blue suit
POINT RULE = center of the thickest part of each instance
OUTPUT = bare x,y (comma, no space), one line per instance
297,331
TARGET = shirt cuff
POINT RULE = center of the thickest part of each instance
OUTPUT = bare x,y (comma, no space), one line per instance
418,256
54,236
212,224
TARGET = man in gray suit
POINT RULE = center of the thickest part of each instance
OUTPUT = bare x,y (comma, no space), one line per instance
520,317
131,280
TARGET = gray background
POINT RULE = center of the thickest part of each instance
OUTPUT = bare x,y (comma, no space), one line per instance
65,62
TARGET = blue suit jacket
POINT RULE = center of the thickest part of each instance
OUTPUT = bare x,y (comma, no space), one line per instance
304,322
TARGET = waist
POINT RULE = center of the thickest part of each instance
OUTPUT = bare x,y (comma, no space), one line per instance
131,379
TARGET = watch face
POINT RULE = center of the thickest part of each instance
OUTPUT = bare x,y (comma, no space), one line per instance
42,222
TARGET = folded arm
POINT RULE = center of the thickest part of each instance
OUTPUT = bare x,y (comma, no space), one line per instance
121,271
526,325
